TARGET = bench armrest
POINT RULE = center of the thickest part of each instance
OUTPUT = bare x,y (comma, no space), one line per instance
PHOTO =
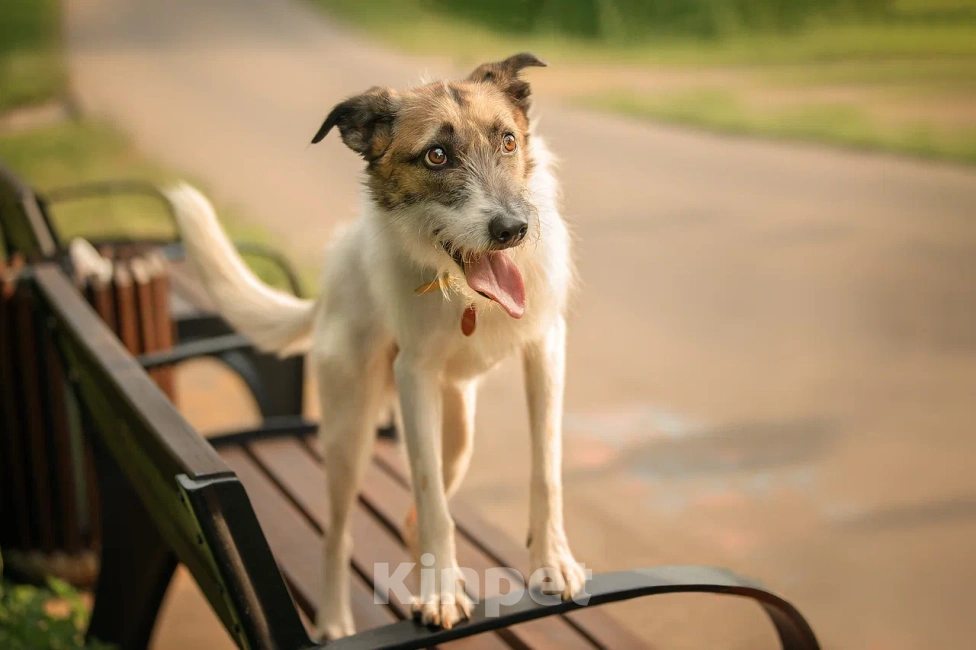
193,350
174,250
792,629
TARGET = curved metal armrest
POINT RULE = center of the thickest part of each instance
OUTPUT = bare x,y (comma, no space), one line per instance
110,187
793,630
193,350
283,426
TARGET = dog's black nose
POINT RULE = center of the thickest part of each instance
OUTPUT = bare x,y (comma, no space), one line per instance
506,229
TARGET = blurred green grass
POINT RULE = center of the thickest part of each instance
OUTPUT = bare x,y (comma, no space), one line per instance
30,55
681,32
76,152
839,124
72,153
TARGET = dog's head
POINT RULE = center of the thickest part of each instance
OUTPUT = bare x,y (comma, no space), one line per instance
450,162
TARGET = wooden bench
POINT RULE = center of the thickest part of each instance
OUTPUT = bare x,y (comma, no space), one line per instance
245,513
169,496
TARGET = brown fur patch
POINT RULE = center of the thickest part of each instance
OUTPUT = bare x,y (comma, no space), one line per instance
469,130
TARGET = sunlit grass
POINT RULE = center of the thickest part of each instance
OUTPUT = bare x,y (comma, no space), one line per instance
31,70
838,124
926,73
414,26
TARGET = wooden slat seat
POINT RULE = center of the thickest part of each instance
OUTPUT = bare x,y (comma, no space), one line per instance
291,465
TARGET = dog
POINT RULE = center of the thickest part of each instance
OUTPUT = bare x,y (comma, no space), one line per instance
459,259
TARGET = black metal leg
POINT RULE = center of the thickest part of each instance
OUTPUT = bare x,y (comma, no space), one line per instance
136,564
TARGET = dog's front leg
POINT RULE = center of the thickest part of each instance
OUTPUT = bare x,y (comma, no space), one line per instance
442,600
555,571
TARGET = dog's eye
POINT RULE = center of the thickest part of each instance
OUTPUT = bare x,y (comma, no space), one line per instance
436,157
509,143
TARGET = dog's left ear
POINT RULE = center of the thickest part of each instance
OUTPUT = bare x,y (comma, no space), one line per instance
365,122
506,74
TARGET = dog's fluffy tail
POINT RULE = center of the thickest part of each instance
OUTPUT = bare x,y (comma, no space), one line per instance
273,320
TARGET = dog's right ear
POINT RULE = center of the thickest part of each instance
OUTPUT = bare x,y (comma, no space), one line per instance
365,122
506,74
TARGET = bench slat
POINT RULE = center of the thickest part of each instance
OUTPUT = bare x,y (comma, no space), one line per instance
291,464
14,474
30,392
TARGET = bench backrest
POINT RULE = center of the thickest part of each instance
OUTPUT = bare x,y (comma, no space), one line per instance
194,499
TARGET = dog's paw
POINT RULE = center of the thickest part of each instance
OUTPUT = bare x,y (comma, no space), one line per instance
332,626
331,632
556,572
443,607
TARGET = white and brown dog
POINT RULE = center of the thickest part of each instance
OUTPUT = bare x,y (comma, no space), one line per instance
459,259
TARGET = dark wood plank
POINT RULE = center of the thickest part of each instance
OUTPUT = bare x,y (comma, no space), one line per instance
144,306
301,476
66,476
599,626
32,417
165,330
14,479
94,496
297,546
125,309
100,297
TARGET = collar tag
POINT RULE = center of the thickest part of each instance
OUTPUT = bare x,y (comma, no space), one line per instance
468,321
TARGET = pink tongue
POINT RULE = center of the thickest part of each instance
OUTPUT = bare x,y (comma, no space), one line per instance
497,276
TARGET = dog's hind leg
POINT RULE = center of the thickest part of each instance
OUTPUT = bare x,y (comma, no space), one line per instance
457,443
351,394
457,436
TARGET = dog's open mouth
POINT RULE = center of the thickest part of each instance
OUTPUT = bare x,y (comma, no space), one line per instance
494,275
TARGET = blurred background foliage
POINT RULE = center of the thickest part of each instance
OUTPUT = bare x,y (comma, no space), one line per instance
636,19
890,75
775,31
30,67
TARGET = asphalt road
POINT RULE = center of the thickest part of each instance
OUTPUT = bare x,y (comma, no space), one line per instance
772,359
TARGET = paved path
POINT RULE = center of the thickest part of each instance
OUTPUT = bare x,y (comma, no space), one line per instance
773,353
